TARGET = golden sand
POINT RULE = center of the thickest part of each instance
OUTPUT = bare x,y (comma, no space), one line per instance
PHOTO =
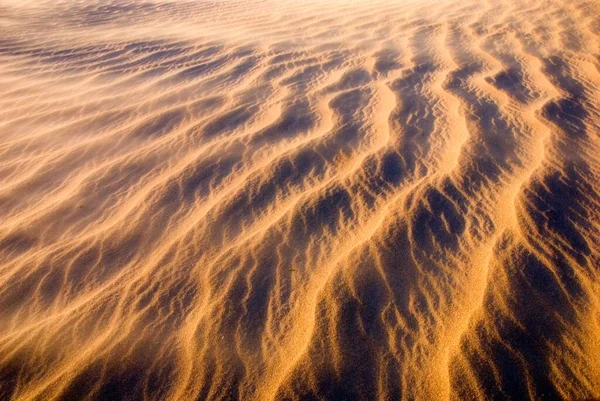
299,200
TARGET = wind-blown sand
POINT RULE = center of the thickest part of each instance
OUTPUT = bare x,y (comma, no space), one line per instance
299,200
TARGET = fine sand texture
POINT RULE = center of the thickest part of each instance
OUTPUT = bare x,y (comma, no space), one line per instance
300,200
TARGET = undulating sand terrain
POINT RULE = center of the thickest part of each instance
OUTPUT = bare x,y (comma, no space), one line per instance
300,200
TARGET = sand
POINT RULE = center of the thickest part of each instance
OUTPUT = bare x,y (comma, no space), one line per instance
299,200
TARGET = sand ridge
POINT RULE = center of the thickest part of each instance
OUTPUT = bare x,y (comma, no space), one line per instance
283,200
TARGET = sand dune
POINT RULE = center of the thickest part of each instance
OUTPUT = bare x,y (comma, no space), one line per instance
299,200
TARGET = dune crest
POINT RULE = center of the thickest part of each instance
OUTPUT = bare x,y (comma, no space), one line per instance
282,200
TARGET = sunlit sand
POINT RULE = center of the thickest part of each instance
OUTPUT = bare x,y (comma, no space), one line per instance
299,200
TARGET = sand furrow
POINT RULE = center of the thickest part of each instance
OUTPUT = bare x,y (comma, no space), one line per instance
282,200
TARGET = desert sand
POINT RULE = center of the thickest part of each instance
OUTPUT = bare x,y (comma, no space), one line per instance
300,200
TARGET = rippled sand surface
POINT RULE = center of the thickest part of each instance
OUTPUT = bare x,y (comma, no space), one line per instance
299,200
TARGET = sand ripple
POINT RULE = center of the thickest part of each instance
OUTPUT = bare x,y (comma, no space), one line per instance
285,200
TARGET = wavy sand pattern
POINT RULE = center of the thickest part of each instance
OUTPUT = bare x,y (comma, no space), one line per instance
285,200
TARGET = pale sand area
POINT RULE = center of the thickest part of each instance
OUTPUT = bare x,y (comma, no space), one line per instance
300,200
